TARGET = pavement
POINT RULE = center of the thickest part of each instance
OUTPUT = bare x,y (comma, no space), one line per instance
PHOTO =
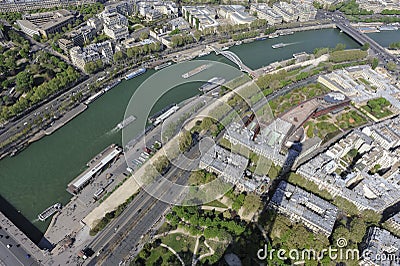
67,222
124,233
17,252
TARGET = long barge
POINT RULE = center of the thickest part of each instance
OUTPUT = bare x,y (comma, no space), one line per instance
212,84
112,85
153,118
94,97
195,71
135,73
126,122
159,67
167,113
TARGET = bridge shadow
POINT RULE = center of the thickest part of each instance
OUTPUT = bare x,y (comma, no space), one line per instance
30,230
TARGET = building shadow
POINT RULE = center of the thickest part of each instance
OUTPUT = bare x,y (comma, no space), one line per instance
29,230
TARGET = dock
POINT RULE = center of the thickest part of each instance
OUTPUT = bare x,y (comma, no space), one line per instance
96,166
65,119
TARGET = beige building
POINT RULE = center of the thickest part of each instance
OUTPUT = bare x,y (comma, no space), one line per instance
200,17
263,11
46,23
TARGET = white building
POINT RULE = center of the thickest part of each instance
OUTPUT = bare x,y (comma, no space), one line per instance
200,17
116,32
286,10
361,84
115,24
263,11
91,53
235,14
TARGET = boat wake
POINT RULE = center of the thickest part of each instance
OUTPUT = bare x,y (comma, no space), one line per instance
113,131
35,221
292,43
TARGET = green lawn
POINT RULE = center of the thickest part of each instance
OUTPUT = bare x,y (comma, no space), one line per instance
350,119
182,244
325,128
378,107
378,113
295,97
216,203
159,252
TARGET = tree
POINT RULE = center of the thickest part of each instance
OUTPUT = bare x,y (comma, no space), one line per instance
357,230
118,56
365,47
391,65
161,164
197,35
375,63
144,35
24,81
340,47
185,141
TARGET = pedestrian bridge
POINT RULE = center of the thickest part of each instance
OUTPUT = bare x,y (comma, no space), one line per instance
233,58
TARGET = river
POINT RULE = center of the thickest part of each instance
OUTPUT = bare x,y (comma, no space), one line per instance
385,38
37,177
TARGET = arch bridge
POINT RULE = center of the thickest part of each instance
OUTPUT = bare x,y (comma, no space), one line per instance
233,58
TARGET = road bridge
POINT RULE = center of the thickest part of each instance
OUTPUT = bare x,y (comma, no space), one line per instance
362,39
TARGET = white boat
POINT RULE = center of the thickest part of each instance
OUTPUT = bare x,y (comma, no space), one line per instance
136,73
280,45
94,97
203,54
163,66
49,212
126,122
195,71
388,28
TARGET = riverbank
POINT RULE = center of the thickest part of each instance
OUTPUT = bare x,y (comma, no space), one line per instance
66,118
52,162
180,56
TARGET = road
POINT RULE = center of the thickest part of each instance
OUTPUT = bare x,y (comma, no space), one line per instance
16,254
51,108
344,24
124,233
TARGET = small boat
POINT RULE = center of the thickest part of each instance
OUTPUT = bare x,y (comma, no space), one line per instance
279,45
203,54
49,212
163,66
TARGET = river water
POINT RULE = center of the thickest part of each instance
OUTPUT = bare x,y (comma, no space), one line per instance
385,38
37,177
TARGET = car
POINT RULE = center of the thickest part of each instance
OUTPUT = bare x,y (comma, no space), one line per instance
9,245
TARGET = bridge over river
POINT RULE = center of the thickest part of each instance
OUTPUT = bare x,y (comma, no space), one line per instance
233,58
